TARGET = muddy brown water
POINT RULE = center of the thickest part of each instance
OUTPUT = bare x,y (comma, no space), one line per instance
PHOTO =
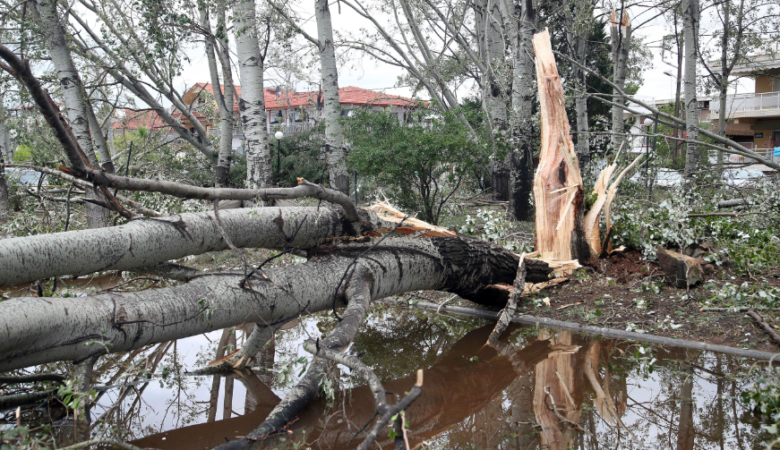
537,389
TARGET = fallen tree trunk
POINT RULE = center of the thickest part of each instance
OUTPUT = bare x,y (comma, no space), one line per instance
38,330
144,242
600,331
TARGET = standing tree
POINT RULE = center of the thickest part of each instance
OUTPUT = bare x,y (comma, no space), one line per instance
252,101
690,30
747,28
621,30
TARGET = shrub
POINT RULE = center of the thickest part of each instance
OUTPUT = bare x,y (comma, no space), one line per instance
422,162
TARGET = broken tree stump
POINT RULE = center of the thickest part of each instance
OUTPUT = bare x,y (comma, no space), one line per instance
558,189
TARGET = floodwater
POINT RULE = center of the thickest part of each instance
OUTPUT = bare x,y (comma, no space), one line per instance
537,389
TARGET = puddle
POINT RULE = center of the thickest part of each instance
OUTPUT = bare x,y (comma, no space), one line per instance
606,393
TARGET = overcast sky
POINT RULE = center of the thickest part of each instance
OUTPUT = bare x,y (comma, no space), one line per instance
368,74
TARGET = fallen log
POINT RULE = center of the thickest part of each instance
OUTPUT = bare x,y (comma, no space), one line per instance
600,331
143,242
760,321
37,330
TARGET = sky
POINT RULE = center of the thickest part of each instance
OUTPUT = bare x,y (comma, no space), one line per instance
368,74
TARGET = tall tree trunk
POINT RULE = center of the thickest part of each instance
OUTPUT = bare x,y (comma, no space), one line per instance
252,101
690,26
5,205
99,140
224,103
520,33
334,138
495,98
679,42
73,98
724,76
581,100
621,44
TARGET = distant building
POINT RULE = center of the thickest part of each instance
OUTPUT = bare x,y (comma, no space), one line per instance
756,115
293,112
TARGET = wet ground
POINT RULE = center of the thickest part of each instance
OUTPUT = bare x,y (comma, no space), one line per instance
538,388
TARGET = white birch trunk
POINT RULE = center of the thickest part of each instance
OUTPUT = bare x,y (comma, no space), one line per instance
5,205
224,104
73,98
36,330
99,140
690,26
334,138
621,44
252,101
145,242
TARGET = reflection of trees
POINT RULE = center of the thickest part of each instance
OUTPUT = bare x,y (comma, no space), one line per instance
409,339
492,401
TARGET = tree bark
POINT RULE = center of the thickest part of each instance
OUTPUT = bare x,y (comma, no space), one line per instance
224,103
73,98
5,205
334,138
520,32
494,96
621,31
581,100
36,331
690,28
252,101
144,242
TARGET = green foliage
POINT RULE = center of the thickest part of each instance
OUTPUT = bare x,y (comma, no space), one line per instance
421,163
300,157
23,154
764,399
749,243
746,294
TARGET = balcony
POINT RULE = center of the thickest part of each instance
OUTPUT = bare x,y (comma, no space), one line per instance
749,105
766,152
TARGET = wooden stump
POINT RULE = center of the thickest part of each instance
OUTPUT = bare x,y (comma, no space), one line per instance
558,189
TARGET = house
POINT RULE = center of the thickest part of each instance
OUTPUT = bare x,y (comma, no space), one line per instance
755,117
292,112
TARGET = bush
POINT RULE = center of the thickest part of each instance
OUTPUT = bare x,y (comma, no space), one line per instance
423,162
23,154
300,157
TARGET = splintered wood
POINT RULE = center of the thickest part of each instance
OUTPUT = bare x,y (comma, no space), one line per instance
410,225
558,189
562,233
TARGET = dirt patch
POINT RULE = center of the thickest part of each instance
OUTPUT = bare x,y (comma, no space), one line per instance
627,267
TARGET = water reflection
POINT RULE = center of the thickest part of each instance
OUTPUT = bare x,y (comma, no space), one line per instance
536,389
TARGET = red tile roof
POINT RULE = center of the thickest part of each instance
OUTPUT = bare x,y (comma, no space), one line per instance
135,119
349,95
